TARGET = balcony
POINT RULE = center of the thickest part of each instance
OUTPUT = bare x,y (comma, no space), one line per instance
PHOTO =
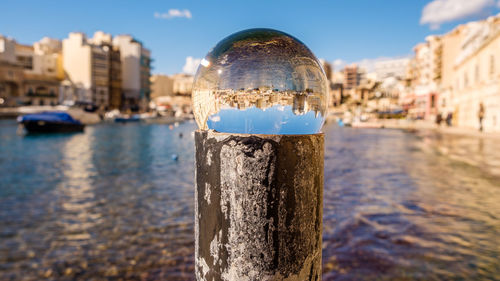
41,92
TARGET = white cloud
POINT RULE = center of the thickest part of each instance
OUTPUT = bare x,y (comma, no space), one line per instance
440,11
338,63
174,13
191,65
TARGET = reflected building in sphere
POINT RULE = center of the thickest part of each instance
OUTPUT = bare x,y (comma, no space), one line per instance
260,81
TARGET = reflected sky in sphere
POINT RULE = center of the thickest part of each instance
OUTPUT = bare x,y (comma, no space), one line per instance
260,81
275,120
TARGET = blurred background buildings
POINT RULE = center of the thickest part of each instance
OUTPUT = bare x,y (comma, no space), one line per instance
101,72
447,75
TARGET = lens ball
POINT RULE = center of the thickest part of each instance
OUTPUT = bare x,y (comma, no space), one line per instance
260,81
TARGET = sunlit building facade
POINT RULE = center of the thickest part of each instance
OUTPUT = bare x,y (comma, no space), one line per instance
11,74
87,67
182,84
135,72
352,77
450,49
30,74
453,74
425,71
476,76
42,67
171,92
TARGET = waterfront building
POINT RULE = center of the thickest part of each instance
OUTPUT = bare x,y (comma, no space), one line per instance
476,75
161,92
455,73
161,86
11,74
110,73
79,70
87,67
30,75
115,78
366,90
336,93
135,72
407,96
169,92
114,68
182,84
426,68
451,43
42,67
352,76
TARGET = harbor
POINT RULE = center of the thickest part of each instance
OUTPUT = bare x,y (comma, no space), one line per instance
114,203
293,141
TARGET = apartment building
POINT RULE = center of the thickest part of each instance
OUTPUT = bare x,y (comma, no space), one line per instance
136,70
11,74
86,63
426,73
352,76
30,74
476,75
42,67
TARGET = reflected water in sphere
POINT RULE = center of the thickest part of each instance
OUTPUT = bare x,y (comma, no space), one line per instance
260,81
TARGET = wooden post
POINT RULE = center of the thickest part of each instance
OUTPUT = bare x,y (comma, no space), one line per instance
258,206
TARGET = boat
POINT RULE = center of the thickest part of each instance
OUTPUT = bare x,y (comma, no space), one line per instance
50,122
128,119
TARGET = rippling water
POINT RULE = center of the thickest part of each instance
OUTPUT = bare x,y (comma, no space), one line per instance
111,203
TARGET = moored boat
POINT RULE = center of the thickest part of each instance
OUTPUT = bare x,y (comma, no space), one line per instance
50,122
128,119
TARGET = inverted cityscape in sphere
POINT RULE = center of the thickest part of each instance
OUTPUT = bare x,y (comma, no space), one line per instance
260,81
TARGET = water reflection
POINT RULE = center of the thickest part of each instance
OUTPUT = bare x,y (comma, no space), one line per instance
112,204
76,191
397,208
120,206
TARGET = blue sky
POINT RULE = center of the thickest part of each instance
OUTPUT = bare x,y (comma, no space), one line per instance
349,30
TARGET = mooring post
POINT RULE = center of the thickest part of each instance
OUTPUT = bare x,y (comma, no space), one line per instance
259,206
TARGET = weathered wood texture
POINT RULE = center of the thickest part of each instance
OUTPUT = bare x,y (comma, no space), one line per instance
258,206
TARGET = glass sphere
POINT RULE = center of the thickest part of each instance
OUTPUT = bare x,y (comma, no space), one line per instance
260,81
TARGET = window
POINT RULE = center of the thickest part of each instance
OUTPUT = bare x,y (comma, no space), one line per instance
466,80
476,73
492,65
41,90
25,61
